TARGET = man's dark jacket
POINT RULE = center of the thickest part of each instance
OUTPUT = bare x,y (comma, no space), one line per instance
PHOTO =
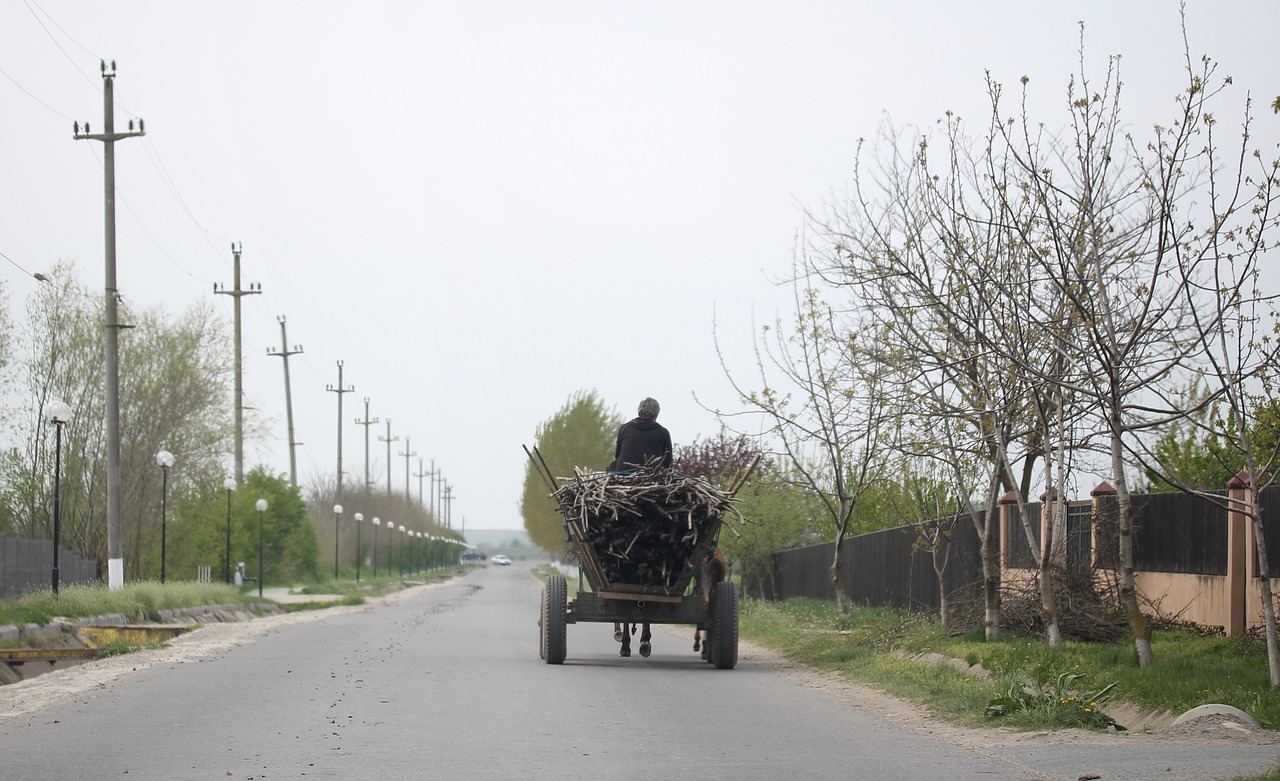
639,440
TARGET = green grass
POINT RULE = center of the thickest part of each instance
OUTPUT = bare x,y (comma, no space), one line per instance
872,645
142,599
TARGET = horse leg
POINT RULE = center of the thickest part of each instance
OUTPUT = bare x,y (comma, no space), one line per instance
646,647
626,641
617,633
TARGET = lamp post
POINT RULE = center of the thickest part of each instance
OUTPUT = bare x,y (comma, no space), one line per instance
359,517
337,514
376,523
164,460
402,551
261,505
391,529
59,414
230,485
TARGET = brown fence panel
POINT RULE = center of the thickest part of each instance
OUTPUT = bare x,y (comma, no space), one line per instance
1270,515
27,565
1017,552
879,568
1172,532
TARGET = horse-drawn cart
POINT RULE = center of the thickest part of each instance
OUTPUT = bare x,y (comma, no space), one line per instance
644,542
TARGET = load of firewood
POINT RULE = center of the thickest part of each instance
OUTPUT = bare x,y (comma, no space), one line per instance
643,525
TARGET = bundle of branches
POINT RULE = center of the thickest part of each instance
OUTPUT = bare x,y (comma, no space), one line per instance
1089,608
643,526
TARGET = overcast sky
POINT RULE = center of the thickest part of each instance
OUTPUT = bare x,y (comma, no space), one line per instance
483,207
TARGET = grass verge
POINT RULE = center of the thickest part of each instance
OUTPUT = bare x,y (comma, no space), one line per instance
875,646
141,599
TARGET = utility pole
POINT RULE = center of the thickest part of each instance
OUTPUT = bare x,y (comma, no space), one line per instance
448,506
440,495
408,497
111,328
432,496
420,474
284,352
340,390
388,439
237,293
367,422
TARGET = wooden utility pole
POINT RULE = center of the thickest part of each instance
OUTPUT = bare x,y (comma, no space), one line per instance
388,439
237,293
111,328
284,352
339,389
408,497
367,422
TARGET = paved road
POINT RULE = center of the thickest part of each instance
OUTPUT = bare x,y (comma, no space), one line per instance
446,683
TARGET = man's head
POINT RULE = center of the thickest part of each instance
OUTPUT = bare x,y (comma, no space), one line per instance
648,408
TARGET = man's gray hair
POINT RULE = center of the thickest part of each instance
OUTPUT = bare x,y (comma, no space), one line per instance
648,408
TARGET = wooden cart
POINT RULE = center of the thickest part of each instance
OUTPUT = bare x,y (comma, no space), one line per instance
602,598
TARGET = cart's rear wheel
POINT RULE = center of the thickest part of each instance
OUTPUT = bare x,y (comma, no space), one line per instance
554,600
542,635
724,626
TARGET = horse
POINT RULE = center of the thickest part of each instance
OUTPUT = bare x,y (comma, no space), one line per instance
711,571
622,633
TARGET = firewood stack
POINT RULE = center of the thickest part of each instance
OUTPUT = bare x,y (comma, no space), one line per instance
643,526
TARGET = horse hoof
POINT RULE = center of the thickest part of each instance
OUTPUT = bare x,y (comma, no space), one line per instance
617,635
645,650
624,652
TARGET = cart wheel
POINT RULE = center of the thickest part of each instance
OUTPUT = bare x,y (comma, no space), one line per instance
724,626
554,598
542,635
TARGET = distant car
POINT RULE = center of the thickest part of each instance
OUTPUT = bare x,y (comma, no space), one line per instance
501,560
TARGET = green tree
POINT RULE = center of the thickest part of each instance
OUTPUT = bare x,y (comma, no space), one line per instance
290,547
582,433
781,514
174,394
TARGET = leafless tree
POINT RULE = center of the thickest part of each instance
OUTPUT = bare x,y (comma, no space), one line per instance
825,405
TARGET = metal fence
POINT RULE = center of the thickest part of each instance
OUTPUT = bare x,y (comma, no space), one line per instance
27,565
883,568
1173,532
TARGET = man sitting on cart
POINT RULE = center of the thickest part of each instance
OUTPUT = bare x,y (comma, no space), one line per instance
642,439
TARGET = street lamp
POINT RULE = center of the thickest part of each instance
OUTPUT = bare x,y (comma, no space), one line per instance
359,517
376,523
261,505
164,460
59,414
337,514
391,529
402,551
230,485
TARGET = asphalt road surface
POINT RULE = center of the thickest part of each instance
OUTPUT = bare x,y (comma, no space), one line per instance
445,683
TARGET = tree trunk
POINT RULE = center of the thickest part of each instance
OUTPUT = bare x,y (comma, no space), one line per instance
1048,556
837,582
1138,626
990,583
1268,597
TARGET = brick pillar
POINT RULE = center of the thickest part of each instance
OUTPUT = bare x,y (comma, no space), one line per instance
1008,504
1238,564
1104,501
